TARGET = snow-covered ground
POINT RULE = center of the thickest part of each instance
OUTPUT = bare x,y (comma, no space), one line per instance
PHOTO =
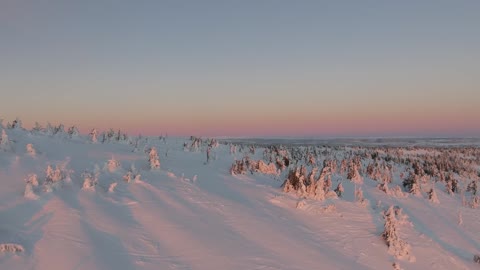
190,214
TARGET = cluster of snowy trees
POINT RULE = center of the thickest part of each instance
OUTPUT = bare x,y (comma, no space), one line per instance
245,165
399,171
312,184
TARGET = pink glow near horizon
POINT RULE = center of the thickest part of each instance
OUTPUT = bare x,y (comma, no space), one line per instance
297,124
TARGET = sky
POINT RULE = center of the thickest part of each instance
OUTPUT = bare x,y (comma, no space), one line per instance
243,68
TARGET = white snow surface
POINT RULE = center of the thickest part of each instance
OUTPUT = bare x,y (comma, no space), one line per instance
190,214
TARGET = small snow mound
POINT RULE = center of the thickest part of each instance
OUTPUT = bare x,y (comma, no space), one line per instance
331,208
397,192
13,248
301,204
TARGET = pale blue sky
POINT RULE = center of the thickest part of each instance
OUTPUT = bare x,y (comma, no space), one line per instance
336,67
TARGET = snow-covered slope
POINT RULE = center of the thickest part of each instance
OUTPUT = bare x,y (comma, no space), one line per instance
190,214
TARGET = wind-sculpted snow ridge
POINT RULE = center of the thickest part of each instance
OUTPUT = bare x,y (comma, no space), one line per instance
101,202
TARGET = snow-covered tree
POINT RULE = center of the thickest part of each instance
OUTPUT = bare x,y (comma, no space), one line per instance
30,150
16,124
432,196
476,259
4,141
475,202
472,187
339,190
451,184
93,136
112,164
397,247
89,180
353,173
412,184
53,175
384,187
37,128
153,159
359,196
73,132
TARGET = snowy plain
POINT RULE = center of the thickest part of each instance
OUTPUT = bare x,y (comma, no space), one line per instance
190,214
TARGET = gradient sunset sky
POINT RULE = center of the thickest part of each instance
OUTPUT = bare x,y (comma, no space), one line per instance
244,68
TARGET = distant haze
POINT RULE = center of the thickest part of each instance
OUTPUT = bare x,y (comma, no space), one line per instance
244,68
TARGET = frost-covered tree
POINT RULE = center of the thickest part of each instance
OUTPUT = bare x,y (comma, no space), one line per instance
30,150
32,182
359,196
153,159
451,184
37,128
328,184
93,136
319,190
4,141
16,124
339,190
73,132
412,184
353,173
90,180
472,187
397,247
53,175
476,259
475,202
432,196
112,164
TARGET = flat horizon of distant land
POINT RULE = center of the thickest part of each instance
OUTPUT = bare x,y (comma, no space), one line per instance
356,141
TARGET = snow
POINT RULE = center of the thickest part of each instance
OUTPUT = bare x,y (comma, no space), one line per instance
60,210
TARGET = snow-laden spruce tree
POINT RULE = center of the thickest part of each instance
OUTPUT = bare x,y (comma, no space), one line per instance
16,124
112,165
73,132
476,258
475,202
37,128
32,183
4,141
339,190
53,175
30,150
319,190
353,173
397,247
90,180
432,196
153,159
359,196
472,187
384,187
93,136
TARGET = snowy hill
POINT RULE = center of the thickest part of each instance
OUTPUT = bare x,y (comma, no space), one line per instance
67,202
